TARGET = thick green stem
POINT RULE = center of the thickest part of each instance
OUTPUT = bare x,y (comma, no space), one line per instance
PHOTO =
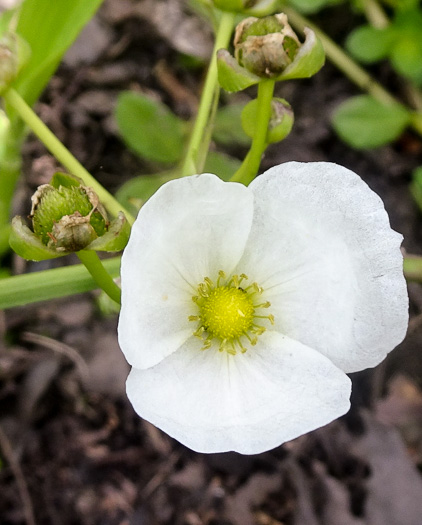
50,284
250,166
100,275
200,139
61,153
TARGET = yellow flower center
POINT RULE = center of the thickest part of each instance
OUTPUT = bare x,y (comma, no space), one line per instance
227,312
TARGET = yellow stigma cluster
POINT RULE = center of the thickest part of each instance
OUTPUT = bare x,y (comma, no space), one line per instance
227,312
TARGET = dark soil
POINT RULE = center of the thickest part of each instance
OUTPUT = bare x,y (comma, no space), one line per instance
73,451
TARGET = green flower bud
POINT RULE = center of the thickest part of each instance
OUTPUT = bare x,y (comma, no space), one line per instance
280,124
265,46
251,7
67,217
14,53
268,48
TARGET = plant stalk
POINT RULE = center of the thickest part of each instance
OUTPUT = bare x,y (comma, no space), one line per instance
200,139
93,264
61,153
250,166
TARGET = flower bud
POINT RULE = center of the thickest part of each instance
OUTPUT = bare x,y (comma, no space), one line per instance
265,46
280,124
67,217
14,53
268,48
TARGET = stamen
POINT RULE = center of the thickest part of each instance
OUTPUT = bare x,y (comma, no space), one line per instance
227,312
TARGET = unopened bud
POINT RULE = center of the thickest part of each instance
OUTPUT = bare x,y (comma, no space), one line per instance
265,46
280,124
67,217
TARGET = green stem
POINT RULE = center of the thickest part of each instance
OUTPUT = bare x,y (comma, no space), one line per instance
250,166
349,67
341,60
61,153
412,266
50,284
375,14
199,142
100,275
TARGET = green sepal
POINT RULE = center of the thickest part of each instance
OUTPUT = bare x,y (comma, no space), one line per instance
309,59
281,120
231,76
28,245
115,238
66,180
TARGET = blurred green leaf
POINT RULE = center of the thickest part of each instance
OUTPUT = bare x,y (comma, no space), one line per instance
222,165
369,44
365,123
149,128
406,57
134,193
228,126
49,27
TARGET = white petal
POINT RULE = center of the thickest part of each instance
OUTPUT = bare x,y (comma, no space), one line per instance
322,247
252,402
190,229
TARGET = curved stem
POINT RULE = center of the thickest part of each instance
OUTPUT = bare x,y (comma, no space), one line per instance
250,165
100,275
193,163
61,153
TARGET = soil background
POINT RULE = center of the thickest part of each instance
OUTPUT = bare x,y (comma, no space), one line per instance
73,451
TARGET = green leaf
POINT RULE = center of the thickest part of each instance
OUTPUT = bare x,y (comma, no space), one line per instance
406,57
365,123
228,126
149,128
369,44
222,165
49,27
134,193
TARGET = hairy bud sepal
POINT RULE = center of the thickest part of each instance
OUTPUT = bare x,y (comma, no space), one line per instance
268,48
67,217
280,124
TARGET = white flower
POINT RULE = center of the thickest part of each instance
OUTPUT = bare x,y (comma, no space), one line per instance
244,307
